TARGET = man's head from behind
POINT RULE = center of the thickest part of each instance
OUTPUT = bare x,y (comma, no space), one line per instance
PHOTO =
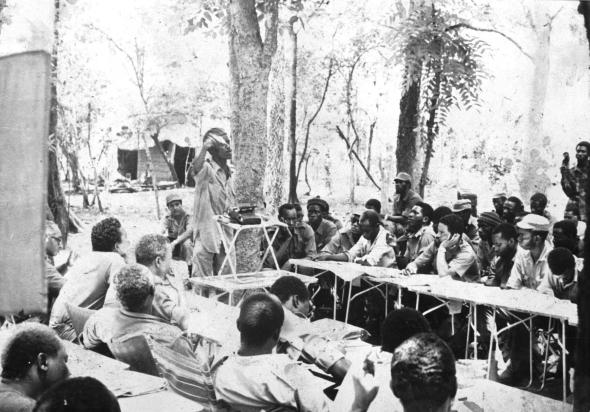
565,234
135,289
108,236
400,325
294,295
260,321
423,374
78,395
562,263
288,214
34,354
373,204
154,252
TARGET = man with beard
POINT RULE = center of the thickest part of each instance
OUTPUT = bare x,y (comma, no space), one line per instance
323,229
419,233
504,241
573,181
345,239
513,210
174,225
487,221
372,249
297,241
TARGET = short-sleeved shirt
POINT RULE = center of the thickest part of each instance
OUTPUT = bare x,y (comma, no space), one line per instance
173,228
324,233
86,286
110,324
252,383
12,400
214,194
297,243
500,269
526,273
379,252
341,242
464,263
403,205
418,242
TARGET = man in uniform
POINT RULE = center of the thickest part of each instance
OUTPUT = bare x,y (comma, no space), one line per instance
175,224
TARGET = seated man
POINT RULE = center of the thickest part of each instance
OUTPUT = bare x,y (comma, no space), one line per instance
55,280
135,293
298,309
174,225
462,208
538,204
33,359
327,215
404,200
423,374
562,281
513,210
255,378
419,231
498,201
346,238
572,212
375,205
565,235
297,241
372,249
78,394
300,214
455,257
155,253
323,229
88,279
505,241
486,222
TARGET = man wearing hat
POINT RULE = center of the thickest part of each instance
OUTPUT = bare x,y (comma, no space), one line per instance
462,208
174,225
486,222
405,198
346,238
530,269
323,229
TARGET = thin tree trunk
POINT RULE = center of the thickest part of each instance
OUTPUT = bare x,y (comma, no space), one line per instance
55,196
407,137
249,62
152,173
582,374
370,144
291,105
432,128
166,159
306,177
92,160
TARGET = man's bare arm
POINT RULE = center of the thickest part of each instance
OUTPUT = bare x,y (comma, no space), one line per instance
200,159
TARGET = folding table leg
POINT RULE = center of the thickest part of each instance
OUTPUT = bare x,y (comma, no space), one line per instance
335,294
348,302
474,331
563,360
468,329
531,334
492,338
546,350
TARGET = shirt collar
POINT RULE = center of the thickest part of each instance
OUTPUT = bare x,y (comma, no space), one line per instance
137,315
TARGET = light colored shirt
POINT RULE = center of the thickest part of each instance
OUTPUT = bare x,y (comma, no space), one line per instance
252,383
376,253
214,194
463,263
86,286
294,243
324,233
341,242
173,228
418,242
526,273
110,324
12,400
55,280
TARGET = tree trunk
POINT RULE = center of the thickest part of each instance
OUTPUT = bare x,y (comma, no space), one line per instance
55,196
370,144
166,159
408,142
533,153
249,63
432,128
291,106
582,374
308,193
275,135
152,172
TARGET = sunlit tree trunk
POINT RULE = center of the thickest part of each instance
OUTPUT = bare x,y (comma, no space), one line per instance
291,105
249,63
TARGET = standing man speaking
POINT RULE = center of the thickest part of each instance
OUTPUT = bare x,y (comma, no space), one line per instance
214,194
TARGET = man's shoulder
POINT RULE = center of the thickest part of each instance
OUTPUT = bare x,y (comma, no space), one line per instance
304,228
327,225
14,401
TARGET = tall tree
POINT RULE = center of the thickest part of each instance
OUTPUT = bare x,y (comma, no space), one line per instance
250,60
582,377
55,196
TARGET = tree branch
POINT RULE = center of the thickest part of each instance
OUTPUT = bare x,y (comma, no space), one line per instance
489,30
315,114
355,154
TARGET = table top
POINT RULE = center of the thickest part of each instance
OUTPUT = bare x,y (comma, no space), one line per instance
265,223
247,281
346,271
